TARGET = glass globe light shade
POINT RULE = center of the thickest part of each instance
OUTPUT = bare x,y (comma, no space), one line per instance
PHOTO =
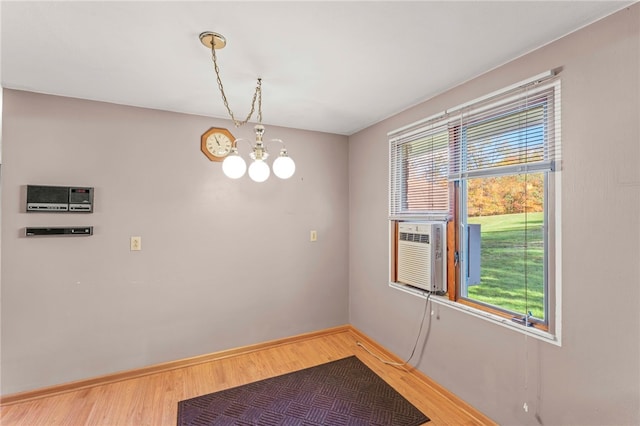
283,166
259,171
234,166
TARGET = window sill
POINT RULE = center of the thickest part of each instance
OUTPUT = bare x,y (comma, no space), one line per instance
487,316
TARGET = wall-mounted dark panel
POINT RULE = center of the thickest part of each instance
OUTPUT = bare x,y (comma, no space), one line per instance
59,231
45,198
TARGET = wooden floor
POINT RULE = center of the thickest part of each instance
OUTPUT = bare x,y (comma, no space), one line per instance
153,399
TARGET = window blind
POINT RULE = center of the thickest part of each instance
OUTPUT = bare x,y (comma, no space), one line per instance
516,133
419,168
511,131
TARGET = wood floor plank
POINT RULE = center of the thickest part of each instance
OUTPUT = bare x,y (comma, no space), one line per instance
153,399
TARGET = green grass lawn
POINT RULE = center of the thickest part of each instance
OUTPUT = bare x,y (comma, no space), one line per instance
503,264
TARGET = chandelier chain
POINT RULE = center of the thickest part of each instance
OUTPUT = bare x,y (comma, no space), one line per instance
257,95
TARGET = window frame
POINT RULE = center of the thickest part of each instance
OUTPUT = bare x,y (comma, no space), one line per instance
548,279
549,331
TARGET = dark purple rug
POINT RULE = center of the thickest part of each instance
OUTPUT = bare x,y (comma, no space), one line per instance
342,392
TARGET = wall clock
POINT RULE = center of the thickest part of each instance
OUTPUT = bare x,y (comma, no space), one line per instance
216,143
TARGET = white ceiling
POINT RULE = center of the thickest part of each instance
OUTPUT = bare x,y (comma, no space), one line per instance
332,66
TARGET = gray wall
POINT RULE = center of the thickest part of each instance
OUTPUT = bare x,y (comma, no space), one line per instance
593,379
223,264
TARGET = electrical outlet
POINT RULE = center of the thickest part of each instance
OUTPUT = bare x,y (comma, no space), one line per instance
136,243
313,236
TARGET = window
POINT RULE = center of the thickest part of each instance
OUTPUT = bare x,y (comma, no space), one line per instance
420,173
490,169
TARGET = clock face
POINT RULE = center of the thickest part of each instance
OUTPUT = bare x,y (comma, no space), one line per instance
218,144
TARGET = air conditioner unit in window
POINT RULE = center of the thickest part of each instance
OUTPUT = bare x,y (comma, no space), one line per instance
422,255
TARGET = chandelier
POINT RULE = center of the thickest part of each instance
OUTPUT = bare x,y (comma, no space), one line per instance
234,165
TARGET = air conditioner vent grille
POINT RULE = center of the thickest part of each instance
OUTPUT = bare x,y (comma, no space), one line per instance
415,238
414,266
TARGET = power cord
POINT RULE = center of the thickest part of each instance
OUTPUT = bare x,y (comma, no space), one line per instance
415,345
